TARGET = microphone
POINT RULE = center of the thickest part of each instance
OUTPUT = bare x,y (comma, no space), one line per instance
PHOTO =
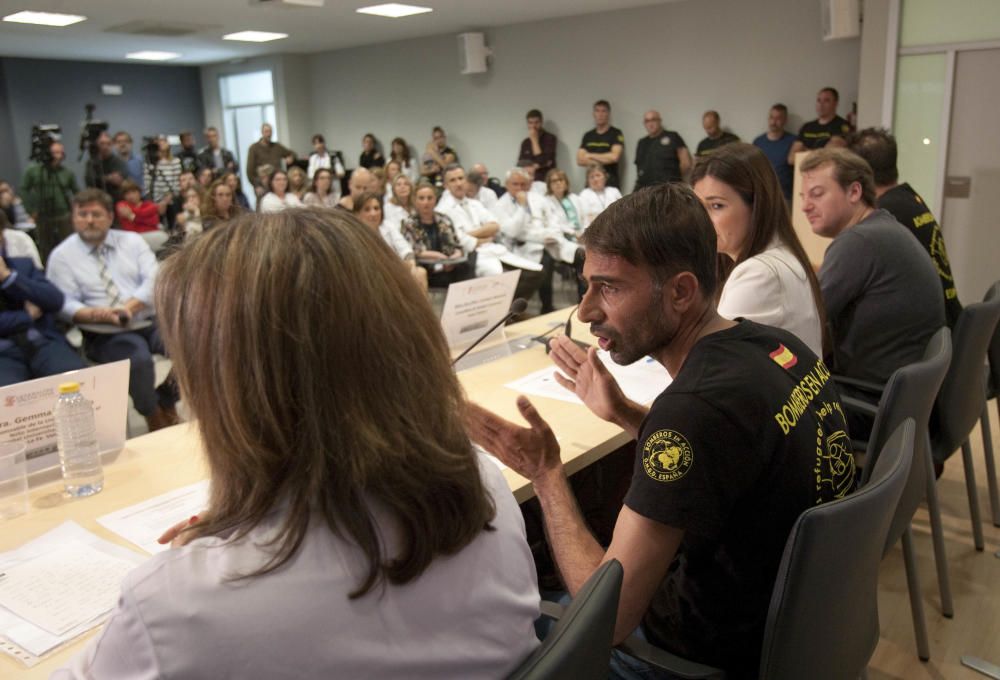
516,307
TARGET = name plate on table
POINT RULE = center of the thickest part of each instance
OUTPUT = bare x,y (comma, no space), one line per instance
472,306
26,411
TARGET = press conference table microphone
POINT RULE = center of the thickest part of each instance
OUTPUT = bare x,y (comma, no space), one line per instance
516,307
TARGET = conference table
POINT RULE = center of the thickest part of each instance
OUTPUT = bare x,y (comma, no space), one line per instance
162,461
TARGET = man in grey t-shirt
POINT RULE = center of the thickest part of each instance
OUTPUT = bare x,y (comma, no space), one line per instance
881,291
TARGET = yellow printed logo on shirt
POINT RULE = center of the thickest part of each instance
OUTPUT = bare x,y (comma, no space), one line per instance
667,456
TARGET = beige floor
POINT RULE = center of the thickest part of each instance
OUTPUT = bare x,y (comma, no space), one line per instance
975,583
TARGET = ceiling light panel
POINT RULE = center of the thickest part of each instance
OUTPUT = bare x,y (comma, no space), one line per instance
255,36
394,10
44,18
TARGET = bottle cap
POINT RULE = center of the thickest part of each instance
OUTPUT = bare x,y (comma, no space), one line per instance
67,388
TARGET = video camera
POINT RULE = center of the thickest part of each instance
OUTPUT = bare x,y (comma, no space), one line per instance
90,130
42,137
150,149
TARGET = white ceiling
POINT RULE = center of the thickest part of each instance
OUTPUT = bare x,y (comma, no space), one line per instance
334,26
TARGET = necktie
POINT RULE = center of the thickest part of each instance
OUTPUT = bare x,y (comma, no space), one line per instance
101,253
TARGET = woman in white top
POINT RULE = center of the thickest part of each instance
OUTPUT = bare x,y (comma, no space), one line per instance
352,531
165,176
562,208
368,209
278,196
598,195
321,158
400,151
321,194
399,205
771,279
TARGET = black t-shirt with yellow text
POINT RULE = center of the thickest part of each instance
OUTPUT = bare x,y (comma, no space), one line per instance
601,142
905,204
749,435
816,135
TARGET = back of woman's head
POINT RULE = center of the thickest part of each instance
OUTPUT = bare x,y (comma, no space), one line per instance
307,356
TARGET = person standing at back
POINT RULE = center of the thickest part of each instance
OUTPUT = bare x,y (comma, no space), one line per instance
878,147
715,135
776,143
539,146
603,144
827,129
661,156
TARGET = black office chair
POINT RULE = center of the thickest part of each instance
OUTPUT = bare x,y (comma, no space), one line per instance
992,392
823,620
910,393
579,646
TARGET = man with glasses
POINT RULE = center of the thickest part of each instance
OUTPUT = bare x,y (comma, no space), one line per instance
661,156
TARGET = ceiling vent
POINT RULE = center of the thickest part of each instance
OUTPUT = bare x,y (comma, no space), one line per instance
157,28
287,3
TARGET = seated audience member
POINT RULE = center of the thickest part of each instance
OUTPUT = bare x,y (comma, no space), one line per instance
175,201
12,206
598,195
475,187
562,209
882,294
702,531
539,146
278,197
163,179
298,184
265,152
18,244
205,177
535,186
107,277
491,183
661,156
521,215
214,156
140,216
106,171
377,183
371,157
310,520
392,168
437,156
189,218
716,136
773,282
828,128
878,147
188,155
399,205
400,152
477,227
776,144
368,209
603,144
360,180
239,198
217,205
30,344
321,193
133,164
321,158
432,237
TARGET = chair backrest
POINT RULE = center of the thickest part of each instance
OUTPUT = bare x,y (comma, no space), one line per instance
963,392
910,393
579,646
994,349
823,620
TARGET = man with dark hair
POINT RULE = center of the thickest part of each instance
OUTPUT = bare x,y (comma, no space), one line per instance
265,152
878,147
123,146
46,191
749,434
828,128
107,276
214,156
882,295
776,143
603,144
539,146
105,170
661,156
716,136
437,156
188,154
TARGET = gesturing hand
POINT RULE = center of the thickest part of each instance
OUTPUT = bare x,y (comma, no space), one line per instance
532,452
588,378
175,535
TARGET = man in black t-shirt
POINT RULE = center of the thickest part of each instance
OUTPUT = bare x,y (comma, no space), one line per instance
749,434
716,135
604,144
828,128
661,156
878,147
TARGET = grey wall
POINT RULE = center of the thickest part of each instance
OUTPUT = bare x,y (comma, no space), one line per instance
875,36
737,56
8,161
156,99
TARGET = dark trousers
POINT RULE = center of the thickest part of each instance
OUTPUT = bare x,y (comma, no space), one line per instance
545,288
50,232
52,357
138,347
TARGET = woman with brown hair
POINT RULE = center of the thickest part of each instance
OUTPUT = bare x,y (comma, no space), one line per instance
217,204
352,531
399,204
322,192
368,209
763,267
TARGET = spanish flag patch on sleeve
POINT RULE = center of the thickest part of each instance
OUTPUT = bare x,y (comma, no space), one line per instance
784,357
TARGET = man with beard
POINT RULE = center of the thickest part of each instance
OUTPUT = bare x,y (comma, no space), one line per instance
749,434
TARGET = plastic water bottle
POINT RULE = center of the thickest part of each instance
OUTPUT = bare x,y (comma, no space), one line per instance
77,434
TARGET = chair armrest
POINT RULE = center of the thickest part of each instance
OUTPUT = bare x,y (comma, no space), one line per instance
864,385
552,610
852,404
664,660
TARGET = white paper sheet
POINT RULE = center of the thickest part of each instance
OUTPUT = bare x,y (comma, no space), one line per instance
472,306
143,523
641,382
28,636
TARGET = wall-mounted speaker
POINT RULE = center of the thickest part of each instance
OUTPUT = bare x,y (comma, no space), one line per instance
473,53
